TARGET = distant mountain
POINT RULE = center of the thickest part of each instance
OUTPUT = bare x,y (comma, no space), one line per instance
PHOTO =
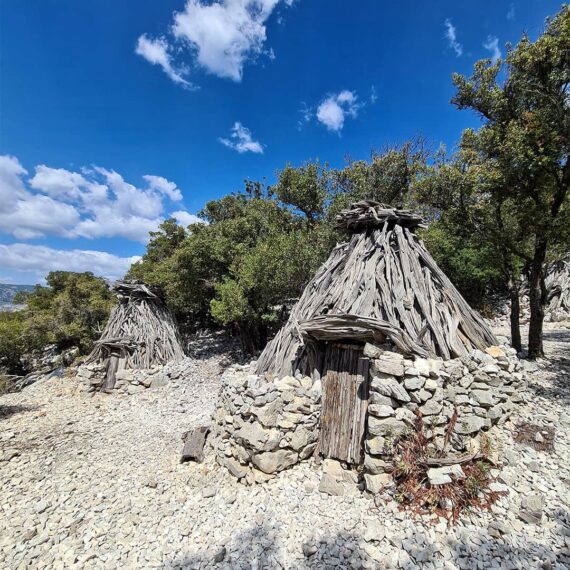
7,292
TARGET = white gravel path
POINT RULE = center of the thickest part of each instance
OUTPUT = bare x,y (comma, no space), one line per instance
96,483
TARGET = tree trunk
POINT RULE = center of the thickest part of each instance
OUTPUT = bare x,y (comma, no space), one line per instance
537,298
516,341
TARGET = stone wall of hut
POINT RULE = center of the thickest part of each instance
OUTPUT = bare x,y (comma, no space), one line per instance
265,426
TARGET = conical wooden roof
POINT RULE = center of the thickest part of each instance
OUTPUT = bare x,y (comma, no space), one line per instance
140,329
382,284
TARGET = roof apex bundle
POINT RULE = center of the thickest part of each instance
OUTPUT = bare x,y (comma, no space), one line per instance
380,285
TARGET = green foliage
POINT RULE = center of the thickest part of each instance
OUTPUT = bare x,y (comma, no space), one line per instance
12,343
305,188
67,312
524,145
390,177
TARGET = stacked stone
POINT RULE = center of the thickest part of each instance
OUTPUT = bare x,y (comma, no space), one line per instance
127,381
264,427
481,386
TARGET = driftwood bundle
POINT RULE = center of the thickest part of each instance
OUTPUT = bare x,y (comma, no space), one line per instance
140,333
380,285
557,283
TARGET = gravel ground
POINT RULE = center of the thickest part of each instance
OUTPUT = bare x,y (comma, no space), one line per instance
95,482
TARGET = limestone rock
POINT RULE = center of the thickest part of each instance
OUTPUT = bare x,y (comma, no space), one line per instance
414,382
467,425
389,387
531,508
380,411
388,427
274,461
391,367
372,351
376,483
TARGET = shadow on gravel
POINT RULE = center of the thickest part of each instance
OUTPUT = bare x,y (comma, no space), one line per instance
348,550
204,345
7,411
558,365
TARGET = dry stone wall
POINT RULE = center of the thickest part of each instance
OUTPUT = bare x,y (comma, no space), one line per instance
481,386
128,381
263,427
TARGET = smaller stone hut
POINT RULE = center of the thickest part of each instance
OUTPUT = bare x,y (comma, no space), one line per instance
141,334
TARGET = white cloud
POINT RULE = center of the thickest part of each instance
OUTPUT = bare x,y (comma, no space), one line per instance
334,109
492,44
94,203
157,53
241,140
40,260
11,185
224,34
451,35
165,186
186,218
35,216
221,37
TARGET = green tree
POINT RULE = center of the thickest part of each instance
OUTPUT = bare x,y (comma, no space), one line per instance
524,140
69,311
469,229
389,177
305,188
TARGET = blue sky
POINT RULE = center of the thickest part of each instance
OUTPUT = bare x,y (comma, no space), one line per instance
115,115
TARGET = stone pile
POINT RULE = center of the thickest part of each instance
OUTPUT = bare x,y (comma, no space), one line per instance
132,381
264,427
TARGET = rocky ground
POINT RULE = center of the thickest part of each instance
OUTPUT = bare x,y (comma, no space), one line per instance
95,482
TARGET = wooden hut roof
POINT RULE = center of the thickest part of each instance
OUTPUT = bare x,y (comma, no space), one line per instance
381,284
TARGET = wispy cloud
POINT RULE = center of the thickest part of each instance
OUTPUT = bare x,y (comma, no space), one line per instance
219,36
511,12
157,52
451,35
241,140
373,95
492,44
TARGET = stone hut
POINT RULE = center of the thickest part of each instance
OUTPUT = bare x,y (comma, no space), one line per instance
140,334
379,333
